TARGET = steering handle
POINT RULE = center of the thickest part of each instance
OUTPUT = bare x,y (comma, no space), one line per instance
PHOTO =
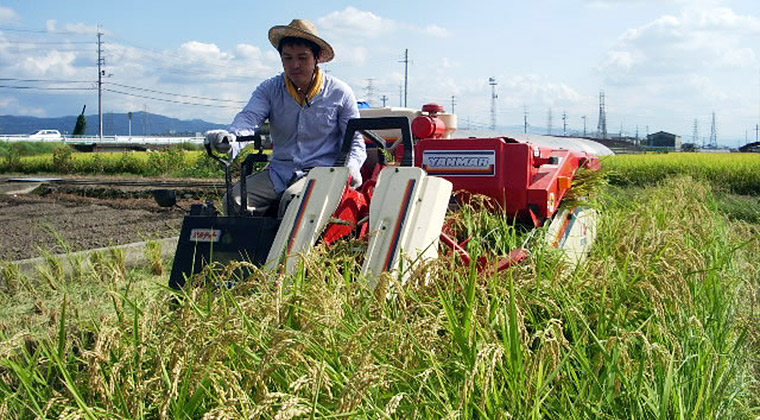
366,125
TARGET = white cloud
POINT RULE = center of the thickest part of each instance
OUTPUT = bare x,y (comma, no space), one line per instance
356,23
54,64
436,31
8,15
534,89
51,25
247,51
696,39
199,51
610,4
350,55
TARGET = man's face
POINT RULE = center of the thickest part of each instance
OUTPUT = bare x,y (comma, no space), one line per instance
299,63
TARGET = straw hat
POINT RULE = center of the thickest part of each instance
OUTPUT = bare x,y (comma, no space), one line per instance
301,28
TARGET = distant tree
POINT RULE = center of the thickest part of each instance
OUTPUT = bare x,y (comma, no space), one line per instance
81,126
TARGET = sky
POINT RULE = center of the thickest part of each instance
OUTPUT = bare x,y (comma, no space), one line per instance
662,65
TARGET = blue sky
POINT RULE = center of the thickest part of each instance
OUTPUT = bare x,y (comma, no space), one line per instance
662,64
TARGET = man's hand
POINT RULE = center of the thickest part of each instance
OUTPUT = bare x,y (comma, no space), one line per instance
356,176
219,140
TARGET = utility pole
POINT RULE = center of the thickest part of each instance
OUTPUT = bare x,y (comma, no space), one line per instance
145,120
384,98
400,94
406,74
525,119
564,123
492,82
101,72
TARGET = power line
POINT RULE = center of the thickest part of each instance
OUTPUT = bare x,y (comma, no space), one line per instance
29,49
43,88
10,79
43,31
177,94
171,101
48,42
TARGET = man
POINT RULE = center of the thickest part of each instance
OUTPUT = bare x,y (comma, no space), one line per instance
308,111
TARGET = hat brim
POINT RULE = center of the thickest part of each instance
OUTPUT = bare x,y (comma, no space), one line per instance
277,33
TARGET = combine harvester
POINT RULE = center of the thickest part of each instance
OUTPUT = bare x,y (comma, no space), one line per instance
401,208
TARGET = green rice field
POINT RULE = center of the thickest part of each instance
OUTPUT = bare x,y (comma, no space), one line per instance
661,321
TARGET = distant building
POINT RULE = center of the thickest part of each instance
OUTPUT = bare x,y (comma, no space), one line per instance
751,147
663,140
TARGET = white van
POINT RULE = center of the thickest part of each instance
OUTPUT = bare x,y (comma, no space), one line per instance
46,135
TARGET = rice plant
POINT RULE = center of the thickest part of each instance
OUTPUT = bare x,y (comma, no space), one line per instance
657,324
738,173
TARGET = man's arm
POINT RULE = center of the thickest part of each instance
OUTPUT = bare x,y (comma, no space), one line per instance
358,153
255,112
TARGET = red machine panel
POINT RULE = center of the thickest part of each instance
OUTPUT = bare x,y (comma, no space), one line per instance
527,181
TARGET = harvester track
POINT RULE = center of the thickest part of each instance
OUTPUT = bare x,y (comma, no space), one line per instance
144,183
90,212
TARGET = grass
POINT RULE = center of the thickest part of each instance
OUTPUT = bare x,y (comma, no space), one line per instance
176,161
660,323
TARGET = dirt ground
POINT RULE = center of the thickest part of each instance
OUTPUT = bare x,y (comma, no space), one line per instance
63,221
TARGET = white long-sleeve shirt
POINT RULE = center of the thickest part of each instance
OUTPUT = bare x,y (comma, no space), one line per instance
305,136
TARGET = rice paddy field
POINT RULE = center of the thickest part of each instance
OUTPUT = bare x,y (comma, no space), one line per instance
661,321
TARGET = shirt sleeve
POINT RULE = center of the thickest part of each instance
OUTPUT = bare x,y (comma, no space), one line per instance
358,153
255,112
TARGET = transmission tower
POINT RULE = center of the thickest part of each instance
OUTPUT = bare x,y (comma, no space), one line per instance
492,82
453,102
370,91
713,133
525,119
602,126
584,125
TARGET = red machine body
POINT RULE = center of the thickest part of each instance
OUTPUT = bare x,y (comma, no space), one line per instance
526,180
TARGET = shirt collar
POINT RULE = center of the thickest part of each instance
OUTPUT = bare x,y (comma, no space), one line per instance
316,87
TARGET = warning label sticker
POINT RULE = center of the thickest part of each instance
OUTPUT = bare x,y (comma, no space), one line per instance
205,235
